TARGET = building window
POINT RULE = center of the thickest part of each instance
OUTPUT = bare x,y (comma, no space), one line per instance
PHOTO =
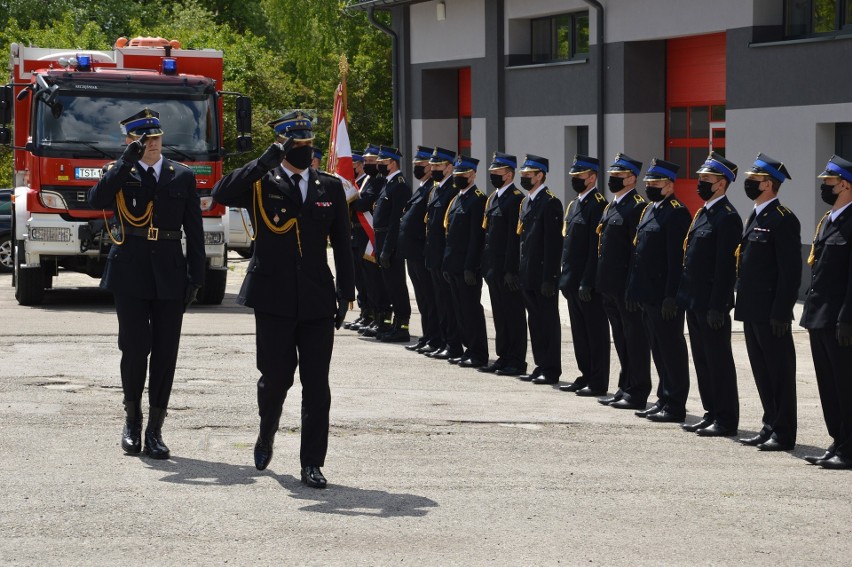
559,38
805,18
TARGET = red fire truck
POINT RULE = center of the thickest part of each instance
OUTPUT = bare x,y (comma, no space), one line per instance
67,105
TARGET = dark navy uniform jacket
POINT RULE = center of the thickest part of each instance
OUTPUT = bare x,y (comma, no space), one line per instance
580,249
770,266
436,239
412,226
540,229
617,229
388,212
465,235
501,251
145,268
657,262
829,298
363,203
281,279
710,264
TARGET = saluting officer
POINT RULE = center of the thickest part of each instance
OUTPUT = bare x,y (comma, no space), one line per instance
443,191
395,194
360,242
615,244
540,229
655,269
589,327
707,292
152,198
289,284
500,256
462,258
769,273
412,243
828,312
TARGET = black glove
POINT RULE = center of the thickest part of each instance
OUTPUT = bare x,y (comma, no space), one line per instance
512,282
779,328
585,293
716,319
469,277
134,151
548,289
844,334
342,308
190,295
669,309
384,260
447,277
632,306
274,154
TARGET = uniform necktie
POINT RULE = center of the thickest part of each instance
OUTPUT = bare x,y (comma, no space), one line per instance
296,179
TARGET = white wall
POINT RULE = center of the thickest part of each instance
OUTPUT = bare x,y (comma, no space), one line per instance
443,133
460,36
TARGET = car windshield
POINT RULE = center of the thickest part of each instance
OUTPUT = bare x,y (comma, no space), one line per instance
88,125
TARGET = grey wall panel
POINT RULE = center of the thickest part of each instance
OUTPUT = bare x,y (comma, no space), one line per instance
435,133
547,90
460,36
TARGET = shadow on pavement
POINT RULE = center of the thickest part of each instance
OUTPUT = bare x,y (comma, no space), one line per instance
180,470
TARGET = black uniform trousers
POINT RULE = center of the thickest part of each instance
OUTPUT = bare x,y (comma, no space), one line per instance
631,345
714,368
671,358
470,316
590,333
148,326
283,343
545,332
376,285
773,363
424,295
397,289
450,334
510,325
364,297
832,363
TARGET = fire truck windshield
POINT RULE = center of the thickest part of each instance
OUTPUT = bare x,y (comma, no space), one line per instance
88,125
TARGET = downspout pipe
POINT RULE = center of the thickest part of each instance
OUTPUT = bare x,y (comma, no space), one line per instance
601,73
394,69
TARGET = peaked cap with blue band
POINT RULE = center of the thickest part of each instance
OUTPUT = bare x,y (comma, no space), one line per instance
371,150
317,153
765,165
442,155
535,163
661,169
500,160
297,125
357,156
389,152
715,164
583,164
838,167
423,153
624,162
146,121
464,164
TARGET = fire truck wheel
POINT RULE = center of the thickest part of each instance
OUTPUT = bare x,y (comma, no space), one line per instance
29,284
6,264
213,290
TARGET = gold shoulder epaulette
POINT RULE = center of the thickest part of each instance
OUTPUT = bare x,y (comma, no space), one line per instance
599,198
783,210
516,192
638,198
729,209
675,204
479,193
552,196
109,166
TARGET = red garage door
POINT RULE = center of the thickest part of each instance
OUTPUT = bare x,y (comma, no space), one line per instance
695,107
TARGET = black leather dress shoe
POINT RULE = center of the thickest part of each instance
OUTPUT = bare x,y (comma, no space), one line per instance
588,392
531,376
814,460
694,427
756,440
656,408
717,430
607,401
510,371
457,359
540,380
444,354
418,345
574,386
837,462
665,416
624,403
429,349
262,454
773,444
472,363
490,369
312,476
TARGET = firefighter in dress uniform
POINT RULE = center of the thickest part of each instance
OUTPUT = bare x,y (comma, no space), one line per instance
296,212
152,198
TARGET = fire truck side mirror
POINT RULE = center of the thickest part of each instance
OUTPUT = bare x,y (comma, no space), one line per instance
244,144
243,115
5,136
6,104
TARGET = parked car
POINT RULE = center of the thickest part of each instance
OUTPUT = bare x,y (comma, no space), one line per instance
239,223
6,242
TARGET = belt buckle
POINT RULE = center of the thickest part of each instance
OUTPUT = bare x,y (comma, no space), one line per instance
153,233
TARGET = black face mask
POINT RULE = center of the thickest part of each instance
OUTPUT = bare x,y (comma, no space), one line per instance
438,175
383,169
705,190
827,193
460,182
526,183
578,185
496,180
752,188
655,194
300,157
615,184
371,169
419,171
